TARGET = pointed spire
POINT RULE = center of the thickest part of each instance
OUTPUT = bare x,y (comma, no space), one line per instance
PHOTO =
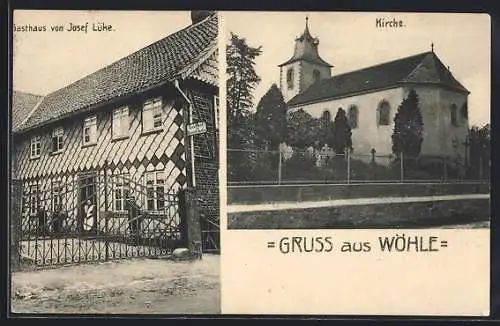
306,35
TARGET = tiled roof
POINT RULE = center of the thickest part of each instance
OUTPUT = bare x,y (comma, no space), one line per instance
165,60
423,68
22,105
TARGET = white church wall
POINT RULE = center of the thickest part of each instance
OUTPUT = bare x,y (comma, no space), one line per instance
306,71
289,93
369,134
439,132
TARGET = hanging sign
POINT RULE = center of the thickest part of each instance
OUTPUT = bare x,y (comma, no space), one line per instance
196,128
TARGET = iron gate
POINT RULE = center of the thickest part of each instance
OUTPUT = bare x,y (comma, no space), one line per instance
98,218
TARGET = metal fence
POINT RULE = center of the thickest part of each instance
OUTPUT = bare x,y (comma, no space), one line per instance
98,218
287,165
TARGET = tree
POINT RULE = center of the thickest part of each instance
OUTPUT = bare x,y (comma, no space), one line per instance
408,127
271,118
241,82
480,149
326,130
302,129
341,133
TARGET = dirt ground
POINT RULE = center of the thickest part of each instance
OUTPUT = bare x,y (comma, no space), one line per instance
128,286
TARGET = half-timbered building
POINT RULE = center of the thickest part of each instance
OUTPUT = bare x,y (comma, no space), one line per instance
120,134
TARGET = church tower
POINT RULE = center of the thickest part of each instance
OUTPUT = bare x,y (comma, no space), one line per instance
304,68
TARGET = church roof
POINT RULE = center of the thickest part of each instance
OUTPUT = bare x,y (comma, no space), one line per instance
175,56
306,49
423,68
22,105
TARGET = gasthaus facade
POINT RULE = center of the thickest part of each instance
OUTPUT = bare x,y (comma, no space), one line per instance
111,152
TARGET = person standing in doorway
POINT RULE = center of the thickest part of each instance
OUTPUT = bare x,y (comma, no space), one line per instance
89,219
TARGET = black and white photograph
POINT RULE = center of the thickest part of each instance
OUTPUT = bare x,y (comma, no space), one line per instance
114,162
357,163
385,125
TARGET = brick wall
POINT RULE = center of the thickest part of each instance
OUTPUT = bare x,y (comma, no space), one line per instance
206,155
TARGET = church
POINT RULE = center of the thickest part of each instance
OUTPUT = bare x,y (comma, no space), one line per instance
371,96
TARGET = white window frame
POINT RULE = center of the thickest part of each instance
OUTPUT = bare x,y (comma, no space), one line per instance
90,126
121,190
57,194
216,111
154,208
35,146
152,112
59,134
120,123
33,199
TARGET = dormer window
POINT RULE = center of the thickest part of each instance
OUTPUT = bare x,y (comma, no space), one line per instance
36,146
152,115
57,140
289,78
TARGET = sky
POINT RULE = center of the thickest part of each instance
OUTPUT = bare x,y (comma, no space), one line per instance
46,61
350,41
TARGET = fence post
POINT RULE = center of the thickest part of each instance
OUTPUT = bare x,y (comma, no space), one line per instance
190,221
15,224
348,165
279,167
402,166
106,231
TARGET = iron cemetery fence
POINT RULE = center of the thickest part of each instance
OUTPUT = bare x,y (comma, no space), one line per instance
292,166
99,218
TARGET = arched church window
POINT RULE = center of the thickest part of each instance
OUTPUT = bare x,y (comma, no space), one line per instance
383,113
289,78
353,116
316,75
326,115
453,114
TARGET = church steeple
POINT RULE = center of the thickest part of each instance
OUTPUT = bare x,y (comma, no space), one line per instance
305,67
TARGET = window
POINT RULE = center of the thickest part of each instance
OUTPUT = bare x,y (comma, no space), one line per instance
57,140
326,115
216,111
384,112
316,75
90,130
155,191
121,123
120,192
453,115
353,116
465,110
33,199
36,146
57,196
289,78
152,115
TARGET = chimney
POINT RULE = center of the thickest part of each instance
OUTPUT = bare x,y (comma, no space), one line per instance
198,15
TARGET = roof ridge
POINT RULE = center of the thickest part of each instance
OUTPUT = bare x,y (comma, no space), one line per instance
378,65
133,53
27,93
19,127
